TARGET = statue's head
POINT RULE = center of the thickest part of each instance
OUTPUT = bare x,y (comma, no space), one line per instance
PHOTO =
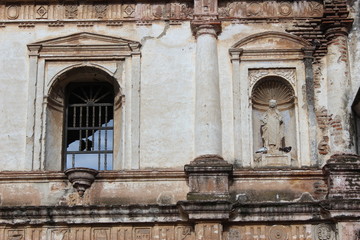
272,103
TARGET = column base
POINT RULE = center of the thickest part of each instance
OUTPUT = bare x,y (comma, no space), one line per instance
208,178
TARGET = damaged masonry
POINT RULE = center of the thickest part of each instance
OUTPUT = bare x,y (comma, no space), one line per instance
180,120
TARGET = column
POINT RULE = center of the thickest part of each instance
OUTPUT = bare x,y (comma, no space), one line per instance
135,107
310,97
238,134
30,125
207,108
338,90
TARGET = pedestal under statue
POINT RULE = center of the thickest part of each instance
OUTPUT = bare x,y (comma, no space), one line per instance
272,134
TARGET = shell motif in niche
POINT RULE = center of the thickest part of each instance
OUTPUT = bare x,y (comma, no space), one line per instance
272,88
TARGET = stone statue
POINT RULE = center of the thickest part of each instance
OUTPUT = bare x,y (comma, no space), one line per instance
272,129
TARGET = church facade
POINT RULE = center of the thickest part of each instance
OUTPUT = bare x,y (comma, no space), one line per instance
180,120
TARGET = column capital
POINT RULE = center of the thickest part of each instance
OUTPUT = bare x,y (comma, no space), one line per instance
235,53
334,32
200,27
34,49
308,52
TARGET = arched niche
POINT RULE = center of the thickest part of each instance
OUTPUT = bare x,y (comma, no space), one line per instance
255,59
274,88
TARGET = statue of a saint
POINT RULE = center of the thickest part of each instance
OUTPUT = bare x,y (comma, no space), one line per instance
272,129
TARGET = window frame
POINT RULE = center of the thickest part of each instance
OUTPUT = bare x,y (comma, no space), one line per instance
50,62
68,90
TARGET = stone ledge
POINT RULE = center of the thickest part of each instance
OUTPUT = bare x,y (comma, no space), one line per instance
103,175
183,211
123,174
206,210
89,214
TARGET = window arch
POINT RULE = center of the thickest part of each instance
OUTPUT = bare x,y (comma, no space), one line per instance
83,115
82,58
89,126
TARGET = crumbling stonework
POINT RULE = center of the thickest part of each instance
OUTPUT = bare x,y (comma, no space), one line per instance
189,157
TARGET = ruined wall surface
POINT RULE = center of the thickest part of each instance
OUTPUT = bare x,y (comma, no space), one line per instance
201,151
165,110
354,51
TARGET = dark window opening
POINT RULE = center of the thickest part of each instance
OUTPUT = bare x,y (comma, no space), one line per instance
89,126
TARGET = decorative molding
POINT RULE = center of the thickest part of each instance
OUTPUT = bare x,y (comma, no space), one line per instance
205,8
16,234
13,12
234,234
26,25
278,233
293,41
71,11
324,232
271,46
129,10
271,9
287,73
83,42
56,24
272,88
81,178
41,11
200,29
202,231
142,233
100,10
85,24
114,23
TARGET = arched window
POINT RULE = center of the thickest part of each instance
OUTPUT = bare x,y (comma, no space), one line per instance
84,120
77,64
89,126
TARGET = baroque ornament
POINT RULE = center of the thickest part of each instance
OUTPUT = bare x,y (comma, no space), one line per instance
234,234
142,234
12,12
100,10
287,73
278,233
71,11
272,88
129,10
323,232
271,9
41,11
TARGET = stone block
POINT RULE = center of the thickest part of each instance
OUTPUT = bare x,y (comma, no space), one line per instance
208,178
276,160
343,176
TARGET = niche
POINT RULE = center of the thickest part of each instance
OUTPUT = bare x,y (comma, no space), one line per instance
274,123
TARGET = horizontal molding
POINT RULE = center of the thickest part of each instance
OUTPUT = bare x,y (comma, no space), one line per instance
161,174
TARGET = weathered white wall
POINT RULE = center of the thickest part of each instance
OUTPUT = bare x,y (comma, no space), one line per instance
167,86
354,47
167,90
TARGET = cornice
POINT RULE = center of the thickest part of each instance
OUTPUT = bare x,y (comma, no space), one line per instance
289,212
44,176
158,174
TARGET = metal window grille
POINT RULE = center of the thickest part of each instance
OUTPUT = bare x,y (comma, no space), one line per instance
89,126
